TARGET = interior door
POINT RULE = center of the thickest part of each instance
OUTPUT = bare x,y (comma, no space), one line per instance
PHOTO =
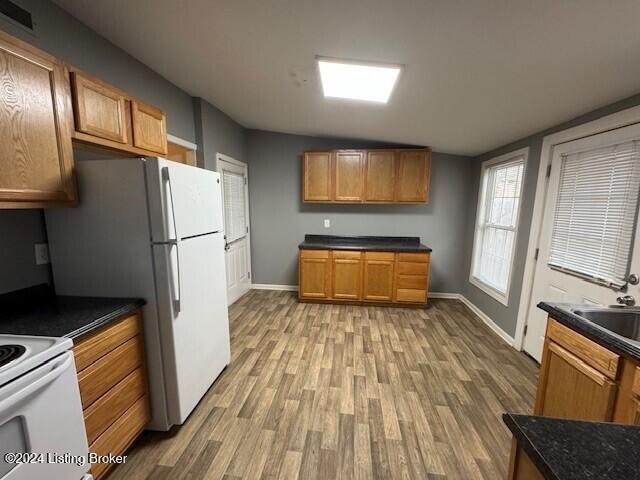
559,285
235,196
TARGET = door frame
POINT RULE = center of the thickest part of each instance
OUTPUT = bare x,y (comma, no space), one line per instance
603,124
228,159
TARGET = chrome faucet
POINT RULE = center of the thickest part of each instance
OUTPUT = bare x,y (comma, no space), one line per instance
626,300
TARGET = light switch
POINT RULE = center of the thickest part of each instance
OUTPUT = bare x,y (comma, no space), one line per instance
42,253
327,223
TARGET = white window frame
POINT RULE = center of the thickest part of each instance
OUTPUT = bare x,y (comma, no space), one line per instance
505,159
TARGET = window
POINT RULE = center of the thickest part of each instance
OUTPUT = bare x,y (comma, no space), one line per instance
595,213
235,222
497,223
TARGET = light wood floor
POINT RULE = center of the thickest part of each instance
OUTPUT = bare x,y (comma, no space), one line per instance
326,391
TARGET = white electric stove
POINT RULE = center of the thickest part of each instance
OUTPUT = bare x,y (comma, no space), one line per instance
42,432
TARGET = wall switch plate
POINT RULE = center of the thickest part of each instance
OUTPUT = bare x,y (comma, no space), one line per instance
327,223
42,253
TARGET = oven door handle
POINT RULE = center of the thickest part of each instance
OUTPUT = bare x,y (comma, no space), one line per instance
6,405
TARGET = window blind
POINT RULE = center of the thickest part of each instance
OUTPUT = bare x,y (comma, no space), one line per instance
496,229
596,213
235,221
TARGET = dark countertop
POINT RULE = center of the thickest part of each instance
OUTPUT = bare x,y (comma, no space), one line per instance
570,449
38,311
381,244
563,314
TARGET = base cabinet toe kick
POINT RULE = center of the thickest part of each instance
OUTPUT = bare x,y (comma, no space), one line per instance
363,277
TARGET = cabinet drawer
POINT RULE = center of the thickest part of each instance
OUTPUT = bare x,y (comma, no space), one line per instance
411,295
388,256
101,376
418,282
95,346
314,253
108,408
413,257
346,255
603,360
120,434
412,268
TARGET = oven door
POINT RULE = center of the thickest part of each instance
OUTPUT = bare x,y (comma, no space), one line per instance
41,416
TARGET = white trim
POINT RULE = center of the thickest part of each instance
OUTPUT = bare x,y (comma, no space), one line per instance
272,286
227,158
181,142
443,295
609,122
501,159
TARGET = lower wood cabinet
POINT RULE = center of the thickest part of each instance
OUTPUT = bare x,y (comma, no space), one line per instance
582,380
363,277
113,387
378,276
346,275
314,274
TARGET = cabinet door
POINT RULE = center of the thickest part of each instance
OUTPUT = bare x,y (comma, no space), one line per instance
380,176
378,276
100,110
570,388
149,127
314,274
349,175
317,175
412,183
347,275
36,123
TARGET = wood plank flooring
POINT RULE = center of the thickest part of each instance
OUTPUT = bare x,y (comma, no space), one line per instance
327,391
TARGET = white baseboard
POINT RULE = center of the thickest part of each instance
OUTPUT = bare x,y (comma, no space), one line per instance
269,286
445,295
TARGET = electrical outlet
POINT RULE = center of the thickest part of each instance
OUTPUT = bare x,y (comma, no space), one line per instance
42,253
327,223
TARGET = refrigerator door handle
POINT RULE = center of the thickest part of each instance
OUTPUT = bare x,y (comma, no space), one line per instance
174,242
167,178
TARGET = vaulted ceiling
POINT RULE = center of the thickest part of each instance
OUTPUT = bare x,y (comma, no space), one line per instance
478,73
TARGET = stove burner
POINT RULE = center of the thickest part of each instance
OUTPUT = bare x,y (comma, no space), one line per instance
9,353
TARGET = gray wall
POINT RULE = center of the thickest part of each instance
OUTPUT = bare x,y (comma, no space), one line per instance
19,231
506,316
279,219
216,132
62,35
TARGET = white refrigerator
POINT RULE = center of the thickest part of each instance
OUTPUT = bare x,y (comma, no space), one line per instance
152,228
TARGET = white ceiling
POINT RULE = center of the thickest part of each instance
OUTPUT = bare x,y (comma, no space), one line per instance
478,73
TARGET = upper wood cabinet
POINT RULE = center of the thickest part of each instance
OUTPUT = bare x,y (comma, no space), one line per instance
317,177
109,118
36,155
100,109
149,127
380,176
413,176
349,179
367,176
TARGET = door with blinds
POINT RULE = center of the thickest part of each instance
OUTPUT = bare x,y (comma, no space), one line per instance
589,241
236,226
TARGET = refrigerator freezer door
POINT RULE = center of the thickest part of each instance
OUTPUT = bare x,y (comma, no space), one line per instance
196,336
184,201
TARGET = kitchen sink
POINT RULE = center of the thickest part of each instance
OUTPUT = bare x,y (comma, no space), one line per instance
623,321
